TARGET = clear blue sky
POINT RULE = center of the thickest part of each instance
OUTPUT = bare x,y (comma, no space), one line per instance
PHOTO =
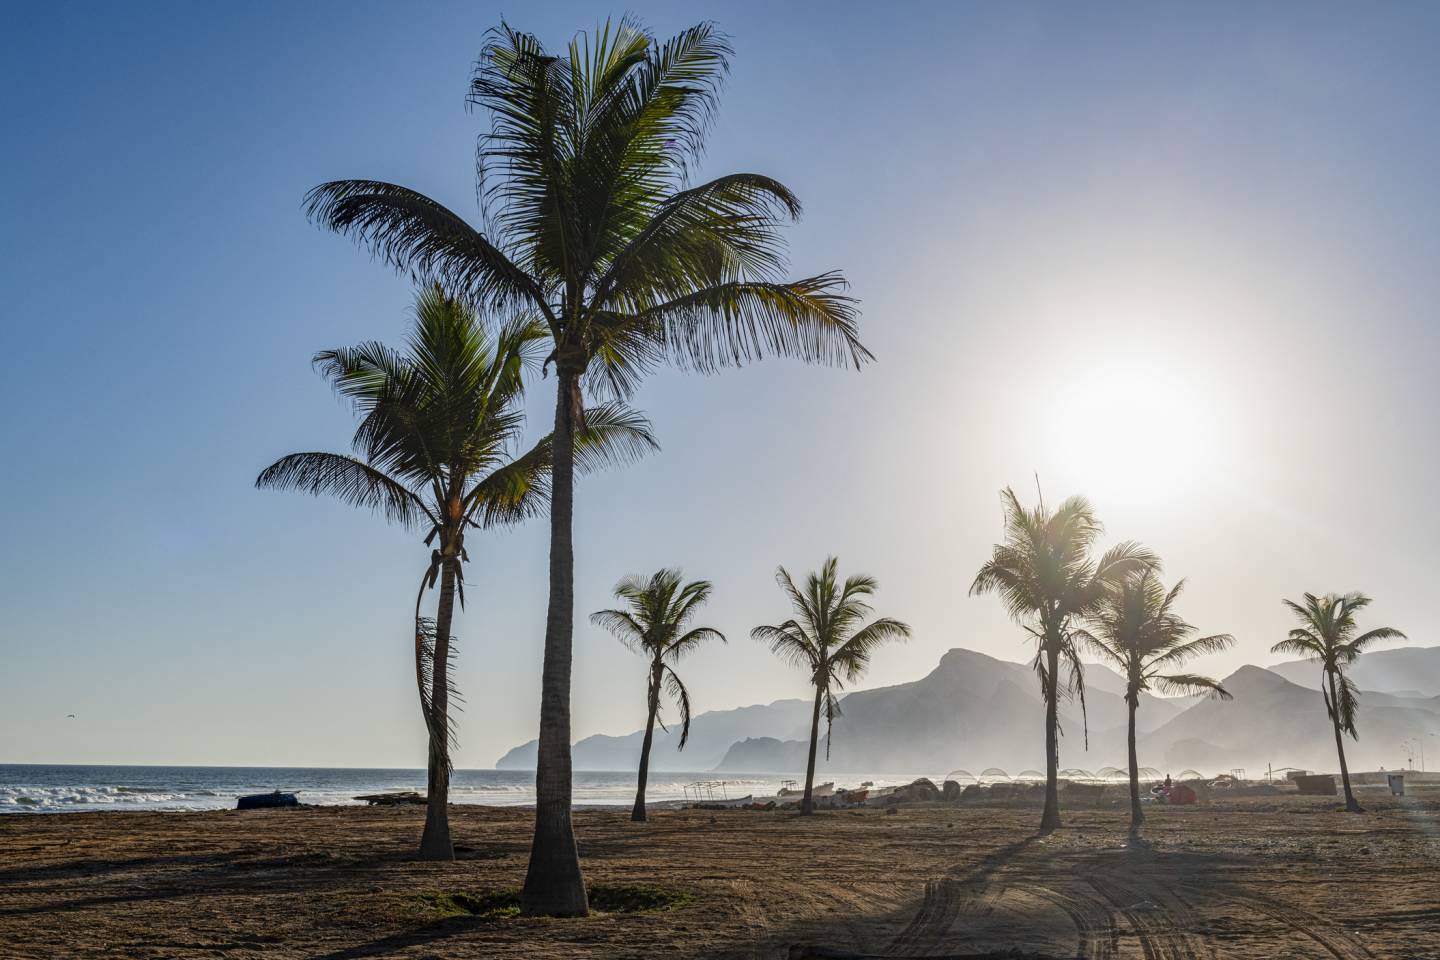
1179,257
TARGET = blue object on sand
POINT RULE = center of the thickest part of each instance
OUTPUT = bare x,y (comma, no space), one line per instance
264,801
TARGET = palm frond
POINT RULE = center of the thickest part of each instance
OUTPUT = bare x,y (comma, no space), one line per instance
348,479
1216,643
1357,645
853,656
788,642
681,696
423,239
1190,684
733,323
621,625
439,725
613,435
687,644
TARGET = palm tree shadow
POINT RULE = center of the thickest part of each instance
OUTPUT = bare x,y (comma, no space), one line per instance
429,933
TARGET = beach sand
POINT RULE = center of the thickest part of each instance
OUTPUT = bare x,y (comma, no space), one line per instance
1256,877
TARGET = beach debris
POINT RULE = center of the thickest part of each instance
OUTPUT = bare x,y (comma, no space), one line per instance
266,801
922,790
393,799
1316,785
1084,792
1181,796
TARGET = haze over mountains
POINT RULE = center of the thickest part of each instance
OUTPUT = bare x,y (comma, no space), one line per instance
974,712
1411,671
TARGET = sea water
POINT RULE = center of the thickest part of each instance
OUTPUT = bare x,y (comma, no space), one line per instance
33,788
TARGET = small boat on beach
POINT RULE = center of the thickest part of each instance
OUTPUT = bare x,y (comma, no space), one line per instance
726,804
408,797
266,801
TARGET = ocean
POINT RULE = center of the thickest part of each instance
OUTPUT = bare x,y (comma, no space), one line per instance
33,788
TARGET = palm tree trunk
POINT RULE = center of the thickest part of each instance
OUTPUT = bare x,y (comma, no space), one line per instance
1050,818
554,885
1136,817
1351,804
638,813
435,840
807,802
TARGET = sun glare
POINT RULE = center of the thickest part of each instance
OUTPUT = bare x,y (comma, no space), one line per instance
1142,429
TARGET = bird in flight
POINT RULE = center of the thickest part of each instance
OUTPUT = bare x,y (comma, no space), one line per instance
70,716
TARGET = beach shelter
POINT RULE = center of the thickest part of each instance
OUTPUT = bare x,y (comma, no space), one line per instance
1181,795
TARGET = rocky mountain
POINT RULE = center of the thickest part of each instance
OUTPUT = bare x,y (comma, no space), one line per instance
711,734
974,712
1273,721
1411,671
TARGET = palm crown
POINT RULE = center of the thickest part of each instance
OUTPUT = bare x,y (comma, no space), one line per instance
828,635
660,609
1136,628
591,222
439,435
440,426
1047,578
1328,635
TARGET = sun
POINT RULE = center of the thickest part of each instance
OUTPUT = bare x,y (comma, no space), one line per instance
1142,428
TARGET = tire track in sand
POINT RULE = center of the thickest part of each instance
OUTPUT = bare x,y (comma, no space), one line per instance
1159,919
1332,938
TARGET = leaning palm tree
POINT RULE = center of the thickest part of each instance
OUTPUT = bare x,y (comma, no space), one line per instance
1327,636
440,425
590,220
660,607
1048,581
1136,628
830,640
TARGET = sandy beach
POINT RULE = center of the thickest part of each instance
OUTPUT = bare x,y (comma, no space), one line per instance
1261,877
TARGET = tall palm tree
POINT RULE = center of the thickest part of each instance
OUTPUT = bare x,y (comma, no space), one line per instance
1048,581
590,219
660,607
1327,636
1136,628
830,640
440,425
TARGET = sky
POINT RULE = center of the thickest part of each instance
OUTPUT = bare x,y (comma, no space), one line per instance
1178,258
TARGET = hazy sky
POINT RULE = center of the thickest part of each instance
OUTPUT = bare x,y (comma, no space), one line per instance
1181,260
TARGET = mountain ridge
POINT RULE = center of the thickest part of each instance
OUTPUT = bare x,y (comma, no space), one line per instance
973,711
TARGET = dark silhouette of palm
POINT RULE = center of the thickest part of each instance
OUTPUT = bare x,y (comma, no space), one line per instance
829,638
591,221
1048,581
440,424
1327,636
1135,627
659,610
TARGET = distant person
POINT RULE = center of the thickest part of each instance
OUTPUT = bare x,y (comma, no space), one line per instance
1167,783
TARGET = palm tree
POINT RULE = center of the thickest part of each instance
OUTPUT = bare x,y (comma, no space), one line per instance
829,639
659,609
1048,581
1136,628
439,427
591,221
1327,637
